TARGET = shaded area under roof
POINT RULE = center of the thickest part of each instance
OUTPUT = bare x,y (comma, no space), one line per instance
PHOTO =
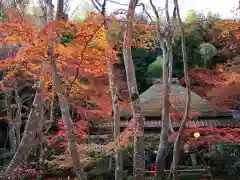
157,124
225,122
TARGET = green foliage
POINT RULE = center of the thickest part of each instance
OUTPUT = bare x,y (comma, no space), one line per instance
142,58
207,51
66,38
193,16
225,159
155,68
194,37
197,35
79,17
98,171
151,141
200,54
2,14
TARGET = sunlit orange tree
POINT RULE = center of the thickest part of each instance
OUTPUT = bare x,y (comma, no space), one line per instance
79,49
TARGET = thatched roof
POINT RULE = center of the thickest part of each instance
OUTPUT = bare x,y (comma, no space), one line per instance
152,102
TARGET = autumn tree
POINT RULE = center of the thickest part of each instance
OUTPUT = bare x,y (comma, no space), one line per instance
65,55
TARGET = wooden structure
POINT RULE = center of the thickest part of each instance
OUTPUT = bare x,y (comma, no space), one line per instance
151,101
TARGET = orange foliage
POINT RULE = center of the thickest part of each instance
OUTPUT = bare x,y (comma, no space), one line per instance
225,31
84,56
143,36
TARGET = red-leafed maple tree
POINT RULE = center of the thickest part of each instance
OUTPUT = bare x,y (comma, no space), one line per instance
219,85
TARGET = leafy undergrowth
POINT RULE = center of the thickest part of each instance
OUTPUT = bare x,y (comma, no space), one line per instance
89,154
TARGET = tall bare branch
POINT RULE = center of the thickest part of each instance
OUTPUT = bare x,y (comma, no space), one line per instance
139,155
115,100
177,142
165,44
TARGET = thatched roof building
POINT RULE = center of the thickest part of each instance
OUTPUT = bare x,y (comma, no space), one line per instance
152,103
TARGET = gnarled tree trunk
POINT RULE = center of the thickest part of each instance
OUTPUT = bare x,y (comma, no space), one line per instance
30,130
139,155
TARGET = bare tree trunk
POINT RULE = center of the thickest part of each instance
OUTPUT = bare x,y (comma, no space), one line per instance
11,123
177,142
165,44
52,113
17,115
161,153
67,120
48,10
30,130
49,17
115,101
139,155
116,118
41,141
114,93
205,164
170,79
60,9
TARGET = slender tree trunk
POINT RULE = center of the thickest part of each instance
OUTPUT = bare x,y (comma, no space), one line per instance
11,123
115,102
205,164
67,120
48,10
170,79
49,17
165,44
116,119
60,9
161,153
41,141
177,142
17,115
114,93
139,155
